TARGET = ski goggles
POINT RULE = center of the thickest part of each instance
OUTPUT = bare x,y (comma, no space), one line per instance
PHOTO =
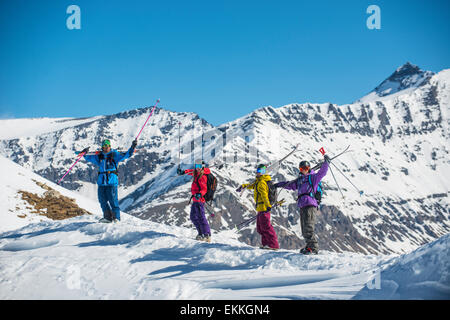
198,166
304,169
261,170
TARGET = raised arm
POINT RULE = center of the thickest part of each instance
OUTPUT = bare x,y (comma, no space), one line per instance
288,185
123,156
316,178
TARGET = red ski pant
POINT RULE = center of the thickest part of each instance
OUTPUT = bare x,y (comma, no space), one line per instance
265,229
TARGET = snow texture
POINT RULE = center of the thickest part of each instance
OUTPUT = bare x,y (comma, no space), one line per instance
79,258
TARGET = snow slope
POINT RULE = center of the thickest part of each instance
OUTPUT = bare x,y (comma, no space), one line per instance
15,212
421,274
17,128
79,258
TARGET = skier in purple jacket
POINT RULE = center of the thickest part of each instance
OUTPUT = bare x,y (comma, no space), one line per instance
306,186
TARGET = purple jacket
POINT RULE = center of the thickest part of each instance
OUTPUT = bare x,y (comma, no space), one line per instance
302,185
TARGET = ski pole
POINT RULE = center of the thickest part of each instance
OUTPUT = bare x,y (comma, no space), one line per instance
208,208
322,151
337,183
361,192
179,144
79,157
157,101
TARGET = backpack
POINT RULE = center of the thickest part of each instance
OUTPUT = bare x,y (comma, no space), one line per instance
272,195
317,195
211,186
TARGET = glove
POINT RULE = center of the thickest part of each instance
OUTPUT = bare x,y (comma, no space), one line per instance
180,172
239,189
198,196
326,158
134,144
85,150
269,208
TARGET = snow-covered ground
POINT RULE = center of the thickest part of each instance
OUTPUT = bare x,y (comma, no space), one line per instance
421,274
79,258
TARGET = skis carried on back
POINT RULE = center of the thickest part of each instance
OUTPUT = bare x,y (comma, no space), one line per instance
94,153
317,166
274,165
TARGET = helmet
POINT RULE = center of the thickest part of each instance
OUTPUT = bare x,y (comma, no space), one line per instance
304,164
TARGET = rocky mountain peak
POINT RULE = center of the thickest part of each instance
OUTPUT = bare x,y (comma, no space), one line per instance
405,77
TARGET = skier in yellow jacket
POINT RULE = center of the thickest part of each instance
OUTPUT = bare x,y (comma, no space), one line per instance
260,189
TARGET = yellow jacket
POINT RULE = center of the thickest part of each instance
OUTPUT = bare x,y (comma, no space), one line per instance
260,192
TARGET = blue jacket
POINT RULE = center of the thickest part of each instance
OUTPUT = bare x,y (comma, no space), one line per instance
108,162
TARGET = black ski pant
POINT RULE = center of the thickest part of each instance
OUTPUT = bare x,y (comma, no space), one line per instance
307,222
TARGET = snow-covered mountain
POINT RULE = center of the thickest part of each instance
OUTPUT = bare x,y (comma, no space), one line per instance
399,141
78,258
406,78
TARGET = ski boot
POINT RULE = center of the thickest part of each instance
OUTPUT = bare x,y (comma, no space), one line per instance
266,247
308,251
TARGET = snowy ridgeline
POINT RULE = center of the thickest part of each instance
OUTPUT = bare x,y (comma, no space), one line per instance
79,258
400,158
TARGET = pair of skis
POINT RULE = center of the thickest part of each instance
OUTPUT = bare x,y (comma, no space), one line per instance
274,165
245,223
97,152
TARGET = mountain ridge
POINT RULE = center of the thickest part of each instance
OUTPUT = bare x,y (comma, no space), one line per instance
389,138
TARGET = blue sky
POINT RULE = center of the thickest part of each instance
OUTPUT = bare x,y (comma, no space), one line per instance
220,59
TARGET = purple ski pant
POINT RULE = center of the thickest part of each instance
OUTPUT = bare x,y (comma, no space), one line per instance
198,218
265,229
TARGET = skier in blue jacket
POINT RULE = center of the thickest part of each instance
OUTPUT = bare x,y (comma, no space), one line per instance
108,179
